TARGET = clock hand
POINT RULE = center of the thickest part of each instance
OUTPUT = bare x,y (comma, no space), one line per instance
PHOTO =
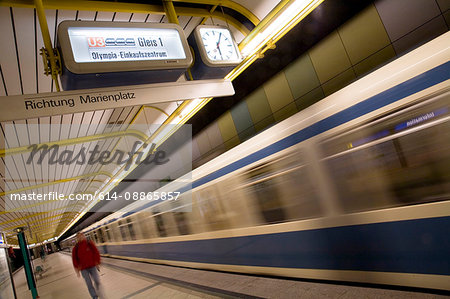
218,43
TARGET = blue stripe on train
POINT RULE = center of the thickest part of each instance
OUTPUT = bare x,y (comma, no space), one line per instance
412,246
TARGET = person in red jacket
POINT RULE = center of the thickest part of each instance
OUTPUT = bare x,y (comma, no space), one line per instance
86,258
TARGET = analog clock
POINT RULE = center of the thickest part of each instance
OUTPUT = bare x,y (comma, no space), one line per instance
216,45
216,52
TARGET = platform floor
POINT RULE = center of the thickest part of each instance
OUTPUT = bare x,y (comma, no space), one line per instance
128,279
60,281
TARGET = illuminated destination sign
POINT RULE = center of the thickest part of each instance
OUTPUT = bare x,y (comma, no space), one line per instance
124,44
99,47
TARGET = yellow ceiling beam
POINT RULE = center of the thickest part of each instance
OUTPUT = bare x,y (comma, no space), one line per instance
211,11
49,227
203,12
55,69
30,216
273,37
262,25
36,205
46,223
61,216
79,177
227,3
171,14
66,216
25,217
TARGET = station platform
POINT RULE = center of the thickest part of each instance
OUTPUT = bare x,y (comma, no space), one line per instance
129,279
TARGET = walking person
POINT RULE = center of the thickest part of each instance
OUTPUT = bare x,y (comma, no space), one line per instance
42,253
86,259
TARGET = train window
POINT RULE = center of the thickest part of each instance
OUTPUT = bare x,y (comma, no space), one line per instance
282,189
182,224
146,225
424,173
131,229
212,209
95,237
398,159
293,182
359,180
100,236
108,235
115,234
261,184
160,225
122,228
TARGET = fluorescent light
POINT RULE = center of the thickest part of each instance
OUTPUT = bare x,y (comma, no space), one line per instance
292,12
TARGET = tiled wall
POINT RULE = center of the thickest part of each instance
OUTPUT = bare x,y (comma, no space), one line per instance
380,33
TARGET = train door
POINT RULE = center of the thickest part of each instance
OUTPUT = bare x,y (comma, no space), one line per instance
236,203
212,208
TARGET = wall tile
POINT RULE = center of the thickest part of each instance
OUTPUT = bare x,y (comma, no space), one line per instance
242,120
421,35
364,35
278,92
447,18
402,16
310,98
229,144
444,5
226,126
214,136
195,150
258,106
203,143
301,76
264,123
374,61
247,133
329,57
338,82
285,112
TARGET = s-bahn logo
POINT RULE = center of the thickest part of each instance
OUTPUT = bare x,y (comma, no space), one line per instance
100,42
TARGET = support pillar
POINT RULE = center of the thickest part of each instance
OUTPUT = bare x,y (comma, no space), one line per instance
27,262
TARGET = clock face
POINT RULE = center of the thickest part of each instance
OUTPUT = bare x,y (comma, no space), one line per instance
219,44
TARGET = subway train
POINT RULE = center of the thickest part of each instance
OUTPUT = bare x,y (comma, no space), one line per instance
354,188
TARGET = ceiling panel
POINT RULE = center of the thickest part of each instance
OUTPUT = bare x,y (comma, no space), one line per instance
24,29
8,58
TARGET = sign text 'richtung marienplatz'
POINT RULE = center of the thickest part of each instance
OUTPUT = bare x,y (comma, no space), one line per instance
21,107
79,100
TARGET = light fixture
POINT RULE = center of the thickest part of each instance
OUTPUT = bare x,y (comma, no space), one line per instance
291,13
272,30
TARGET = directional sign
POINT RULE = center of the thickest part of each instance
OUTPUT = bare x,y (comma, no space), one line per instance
46,104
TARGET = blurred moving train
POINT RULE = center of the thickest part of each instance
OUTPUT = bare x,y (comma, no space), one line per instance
354,188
